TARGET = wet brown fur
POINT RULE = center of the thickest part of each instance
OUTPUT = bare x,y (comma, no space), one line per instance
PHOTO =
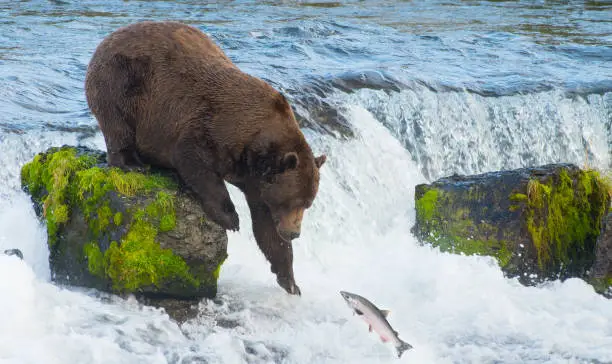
164,94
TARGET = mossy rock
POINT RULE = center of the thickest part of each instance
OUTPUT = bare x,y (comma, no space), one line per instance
123,232
539,223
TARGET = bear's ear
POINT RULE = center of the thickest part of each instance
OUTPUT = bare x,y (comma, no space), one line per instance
320,160
289,161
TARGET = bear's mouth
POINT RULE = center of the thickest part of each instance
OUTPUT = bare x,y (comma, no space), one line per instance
288,224
287,236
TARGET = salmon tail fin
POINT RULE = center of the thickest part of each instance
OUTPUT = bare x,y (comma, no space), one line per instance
403,347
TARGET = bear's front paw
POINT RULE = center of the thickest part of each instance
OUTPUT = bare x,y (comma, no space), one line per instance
127,167
230,216
228,221
289,285
234,221
127,161
132,168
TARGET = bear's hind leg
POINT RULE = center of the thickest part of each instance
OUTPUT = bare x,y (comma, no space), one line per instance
276,250
113,91
120,143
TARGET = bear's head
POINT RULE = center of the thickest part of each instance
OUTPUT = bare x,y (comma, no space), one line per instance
282,170
290,189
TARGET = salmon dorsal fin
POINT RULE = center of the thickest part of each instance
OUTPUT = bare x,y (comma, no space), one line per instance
385,312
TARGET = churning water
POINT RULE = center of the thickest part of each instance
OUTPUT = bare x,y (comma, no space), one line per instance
421,91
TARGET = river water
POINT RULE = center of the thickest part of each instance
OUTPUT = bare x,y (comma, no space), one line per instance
411,91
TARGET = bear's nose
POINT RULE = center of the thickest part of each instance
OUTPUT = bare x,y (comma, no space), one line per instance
294,235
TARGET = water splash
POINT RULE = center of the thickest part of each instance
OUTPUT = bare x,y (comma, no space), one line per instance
466,133
356,237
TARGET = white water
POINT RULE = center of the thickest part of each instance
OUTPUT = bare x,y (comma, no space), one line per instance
466,133
452,309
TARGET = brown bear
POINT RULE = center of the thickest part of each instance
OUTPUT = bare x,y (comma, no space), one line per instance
165,94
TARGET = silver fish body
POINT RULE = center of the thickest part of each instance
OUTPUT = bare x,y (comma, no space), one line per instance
376,319
16,252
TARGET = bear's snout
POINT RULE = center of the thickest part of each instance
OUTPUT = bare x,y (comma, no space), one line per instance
289,225
289,234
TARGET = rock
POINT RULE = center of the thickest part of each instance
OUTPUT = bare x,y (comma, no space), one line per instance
352,81
601,274
16,252
123,232
321,116
539,223
315,110
316,106
180,311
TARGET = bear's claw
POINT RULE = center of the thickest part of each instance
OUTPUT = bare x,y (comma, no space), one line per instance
229,218
289,286
233,222
127,161
136,169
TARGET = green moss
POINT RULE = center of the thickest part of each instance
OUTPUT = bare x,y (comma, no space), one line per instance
217,271
137,261
162,209
60,213
118,218
602,285
564,216
131,183
95,259
493,248
167,223
31,175
518,197
504,254
51,175
91,186
426,206
102,218
428,214
96,182
140,262
451,229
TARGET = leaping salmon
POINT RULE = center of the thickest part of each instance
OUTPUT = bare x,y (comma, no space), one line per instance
376,320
